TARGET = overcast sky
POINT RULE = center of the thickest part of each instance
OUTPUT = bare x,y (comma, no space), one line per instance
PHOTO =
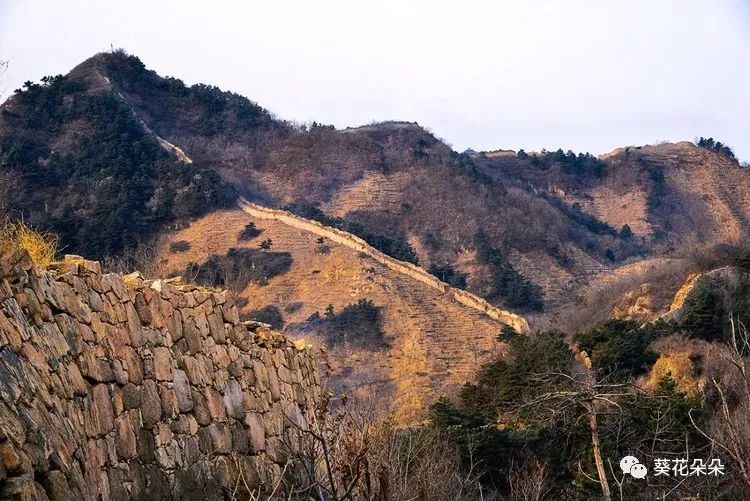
585,75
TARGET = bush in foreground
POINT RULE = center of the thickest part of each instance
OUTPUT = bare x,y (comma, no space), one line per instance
41,246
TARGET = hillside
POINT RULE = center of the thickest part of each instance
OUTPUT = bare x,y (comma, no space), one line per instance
426,340
570,308
561,238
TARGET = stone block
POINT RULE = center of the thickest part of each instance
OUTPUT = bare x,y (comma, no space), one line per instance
256,431
163,363
151,408
234,399
125,441
183,391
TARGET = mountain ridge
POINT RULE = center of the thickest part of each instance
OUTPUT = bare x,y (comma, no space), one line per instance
554,219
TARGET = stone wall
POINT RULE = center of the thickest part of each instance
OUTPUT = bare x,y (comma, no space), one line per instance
409,269
118,388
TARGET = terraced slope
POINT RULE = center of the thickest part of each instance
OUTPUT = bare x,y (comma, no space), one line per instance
436,337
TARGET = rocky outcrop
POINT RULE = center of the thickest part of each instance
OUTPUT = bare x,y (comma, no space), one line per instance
120,388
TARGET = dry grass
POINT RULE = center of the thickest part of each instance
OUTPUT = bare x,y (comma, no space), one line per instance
15,235
432,351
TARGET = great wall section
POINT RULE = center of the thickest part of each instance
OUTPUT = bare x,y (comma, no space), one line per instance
354,242
119,388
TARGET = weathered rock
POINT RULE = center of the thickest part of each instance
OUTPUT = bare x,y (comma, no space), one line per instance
115,388
256,432
234,400
221,437
150,404
131,396
162,364
125,441
215,405
103,406
200,409
182,389
192,335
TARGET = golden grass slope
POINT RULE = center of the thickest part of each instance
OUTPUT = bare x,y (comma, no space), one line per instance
436,342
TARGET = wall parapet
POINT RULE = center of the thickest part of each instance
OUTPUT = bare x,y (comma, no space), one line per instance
117,387
356,243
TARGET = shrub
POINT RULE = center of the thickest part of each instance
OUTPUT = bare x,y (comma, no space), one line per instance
292,307
358,323
507,284
180,246
41,246
507,333
449,275
238,268
249,232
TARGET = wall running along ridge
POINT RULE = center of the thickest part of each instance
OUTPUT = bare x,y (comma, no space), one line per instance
409,269
118,388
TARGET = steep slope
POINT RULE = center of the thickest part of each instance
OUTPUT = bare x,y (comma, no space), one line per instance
394,182
566,223
435,337
681,209
82,164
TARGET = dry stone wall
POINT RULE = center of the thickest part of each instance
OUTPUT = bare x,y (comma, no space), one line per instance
354,242
118,388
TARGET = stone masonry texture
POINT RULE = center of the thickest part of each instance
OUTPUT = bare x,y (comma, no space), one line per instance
116,387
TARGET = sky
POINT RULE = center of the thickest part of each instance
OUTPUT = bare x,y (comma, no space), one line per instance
582,75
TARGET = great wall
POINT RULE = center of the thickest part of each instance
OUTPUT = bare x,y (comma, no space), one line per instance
116,387
354,242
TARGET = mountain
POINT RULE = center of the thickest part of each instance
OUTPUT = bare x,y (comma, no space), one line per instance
84,165
520,285
113,156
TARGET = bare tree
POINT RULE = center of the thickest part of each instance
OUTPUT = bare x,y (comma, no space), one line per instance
144,257
577,395
728,430
529,481
343,453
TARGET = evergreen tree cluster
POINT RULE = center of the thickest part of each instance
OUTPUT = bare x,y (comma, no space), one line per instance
215,111
507,284
716,146
109,188
494,426
446,273
581,164
357,323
